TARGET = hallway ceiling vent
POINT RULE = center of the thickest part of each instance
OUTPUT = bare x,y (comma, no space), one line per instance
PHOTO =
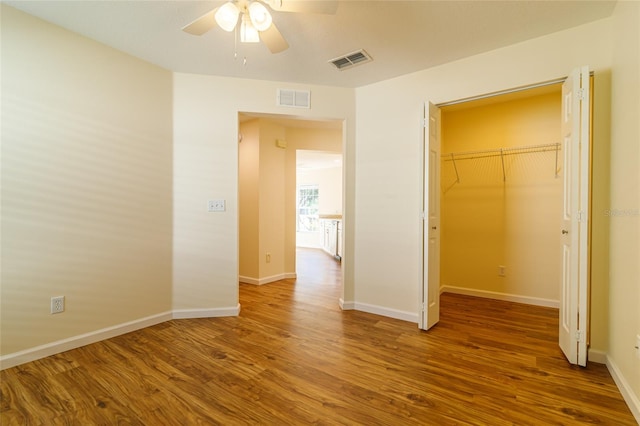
294,98
351,60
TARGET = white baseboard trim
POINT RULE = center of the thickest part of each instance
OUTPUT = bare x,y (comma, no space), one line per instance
43,351
206,313
549,303
267,280
625,389
596,356
346,306
386,312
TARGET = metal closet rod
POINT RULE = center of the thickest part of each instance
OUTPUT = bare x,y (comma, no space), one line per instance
501,152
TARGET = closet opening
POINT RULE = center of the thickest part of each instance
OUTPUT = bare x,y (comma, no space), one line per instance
502,196
504,207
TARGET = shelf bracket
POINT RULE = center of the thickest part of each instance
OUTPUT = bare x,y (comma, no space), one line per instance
557,154
455,168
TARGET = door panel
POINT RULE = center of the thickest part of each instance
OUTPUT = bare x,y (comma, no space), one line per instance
576,171
430,314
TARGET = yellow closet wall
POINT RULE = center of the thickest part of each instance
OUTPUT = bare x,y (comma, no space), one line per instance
489,221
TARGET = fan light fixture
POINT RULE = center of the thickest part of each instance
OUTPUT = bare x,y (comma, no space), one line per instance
248,32
227,16
260,16
255,18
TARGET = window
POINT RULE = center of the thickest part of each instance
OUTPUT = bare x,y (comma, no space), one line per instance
307,209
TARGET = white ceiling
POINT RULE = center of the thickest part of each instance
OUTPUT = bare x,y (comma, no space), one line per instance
401,36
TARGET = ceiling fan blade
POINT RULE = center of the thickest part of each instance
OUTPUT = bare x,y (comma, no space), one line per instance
273,39
202,24
326,7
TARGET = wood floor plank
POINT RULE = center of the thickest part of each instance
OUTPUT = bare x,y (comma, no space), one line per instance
293,357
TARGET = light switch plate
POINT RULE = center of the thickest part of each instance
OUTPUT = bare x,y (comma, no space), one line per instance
216,205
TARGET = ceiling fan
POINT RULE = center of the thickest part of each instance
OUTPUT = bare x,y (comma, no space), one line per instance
256,22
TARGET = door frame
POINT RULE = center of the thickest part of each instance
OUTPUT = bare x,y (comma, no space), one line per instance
290,121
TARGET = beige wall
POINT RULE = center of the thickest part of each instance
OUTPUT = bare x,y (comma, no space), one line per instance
86,184
488,221
623,214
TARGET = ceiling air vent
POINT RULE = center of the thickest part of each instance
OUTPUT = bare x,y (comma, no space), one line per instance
351,60
294,98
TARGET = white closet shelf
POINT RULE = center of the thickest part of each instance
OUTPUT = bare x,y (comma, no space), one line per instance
498,152
501,152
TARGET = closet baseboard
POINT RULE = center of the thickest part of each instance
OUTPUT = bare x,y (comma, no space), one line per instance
537,301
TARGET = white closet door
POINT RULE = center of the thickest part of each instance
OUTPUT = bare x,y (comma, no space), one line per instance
430,309
575,216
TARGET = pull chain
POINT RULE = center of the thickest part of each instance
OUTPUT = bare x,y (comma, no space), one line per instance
235,43
235,48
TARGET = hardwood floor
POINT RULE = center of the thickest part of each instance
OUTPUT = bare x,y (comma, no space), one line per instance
293,357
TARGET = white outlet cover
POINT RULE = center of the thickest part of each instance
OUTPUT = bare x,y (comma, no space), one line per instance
57,304
216,205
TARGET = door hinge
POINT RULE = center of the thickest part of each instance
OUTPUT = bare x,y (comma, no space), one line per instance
580,94
579,336
423,215
580,215
423,307
425,121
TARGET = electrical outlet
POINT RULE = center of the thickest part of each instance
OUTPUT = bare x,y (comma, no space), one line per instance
268,257
57,304
502,271
216,205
